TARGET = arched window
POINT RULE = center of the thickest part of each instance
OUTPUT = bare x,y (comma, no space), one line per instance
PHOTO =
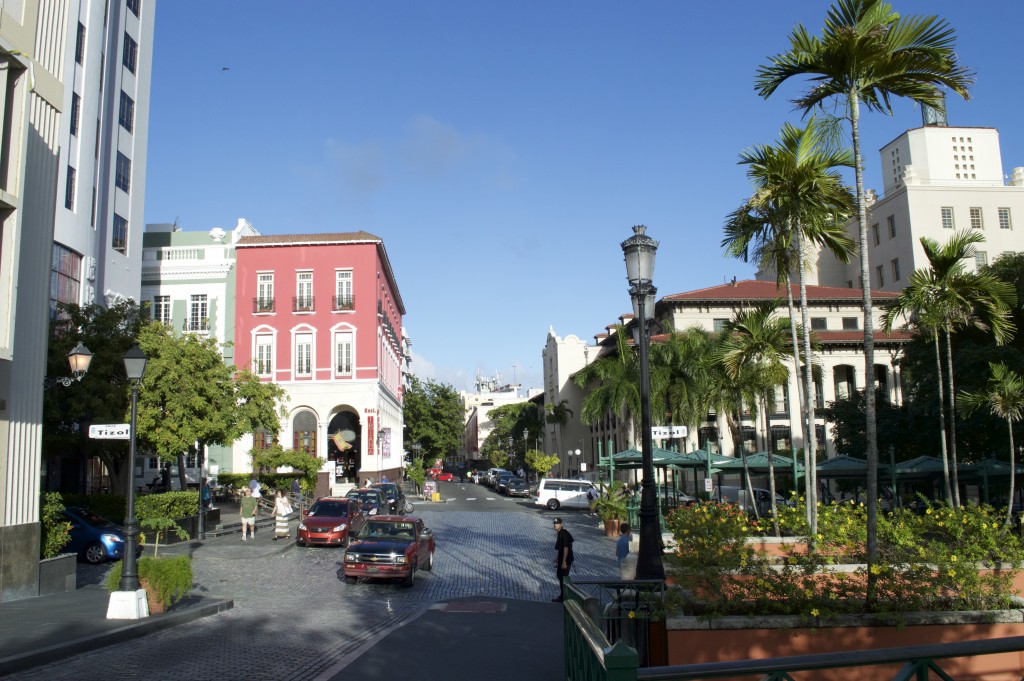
304,432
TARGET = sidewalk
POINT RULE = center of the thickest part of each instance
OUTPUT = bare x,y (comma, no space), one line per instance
37,631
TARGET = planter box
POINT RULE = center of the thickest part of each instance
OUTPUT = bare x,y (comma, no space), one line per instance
58,574
694,640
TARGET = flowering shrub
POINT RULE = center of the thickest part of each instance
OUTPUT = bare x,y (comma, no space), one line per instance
934,561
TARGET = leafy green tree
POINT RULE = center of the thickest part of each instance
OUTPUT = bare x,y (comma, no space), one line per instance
513,425
433,418
103,395
868,54
1009,267
417,472
800,200
1004,397
541,462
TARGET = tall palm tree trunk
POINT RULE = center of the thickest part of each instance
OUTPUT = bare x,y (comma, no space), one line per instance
811,522
810,434
942,417
952,418
1013,465
771,476
870,423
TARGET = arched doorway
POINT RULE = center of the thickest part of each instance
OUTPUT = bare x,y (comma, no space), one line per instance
343,438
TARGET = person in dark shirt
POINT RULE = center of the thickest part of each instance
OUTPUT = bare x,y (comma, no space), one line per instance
563,555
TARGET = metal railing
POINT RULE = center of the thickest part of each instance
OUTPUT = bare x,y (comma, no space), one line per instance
343,302
303,303
262,305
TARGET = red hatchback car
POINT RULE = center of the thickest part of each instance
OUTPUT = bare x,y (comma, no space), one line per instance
330,521
445,476
390,547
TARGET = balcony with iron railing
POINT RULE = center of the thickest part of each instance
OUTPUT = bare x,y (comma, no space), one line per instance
343,303
262,305
197,325
303,303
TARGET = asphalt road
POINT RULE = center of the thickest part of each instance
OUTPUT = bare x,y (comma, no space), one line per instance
295,618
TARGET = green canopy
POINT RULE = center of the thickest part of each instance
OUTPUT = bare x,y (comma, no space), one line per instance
759,462
919,467
843,466
632,458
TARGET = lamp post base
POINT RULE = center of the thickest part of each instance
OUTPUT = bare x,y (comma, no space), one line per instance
128,605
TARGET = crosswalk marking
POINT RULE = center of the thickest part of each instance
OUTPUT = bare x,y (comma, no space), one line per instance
471,499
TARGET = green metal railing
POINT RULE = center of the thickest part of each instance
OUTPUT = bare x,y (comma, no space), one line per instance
590,656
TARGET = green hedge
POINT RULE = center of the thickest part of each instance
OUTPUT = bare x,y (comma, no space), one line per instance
167,505
113,507
56,530
171,577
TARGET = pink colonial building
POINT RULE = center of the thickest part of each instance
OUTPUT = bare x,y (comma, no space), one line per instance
321,316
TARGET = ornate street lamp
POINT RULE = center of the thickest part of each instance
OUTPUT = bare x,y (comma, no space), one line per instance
639,251
128,602
79,359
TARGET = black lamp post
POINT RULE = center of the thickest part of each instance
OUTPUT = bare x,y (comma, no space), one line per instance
639,251
135,366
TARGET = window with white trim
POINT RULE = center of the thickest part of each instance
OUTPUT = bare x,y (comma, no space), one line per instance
874,233
343,289
1004,218
976,222
304,291
198,312
343,353
304,354
263,362
947,217
980,259
265,292
162,309
131,53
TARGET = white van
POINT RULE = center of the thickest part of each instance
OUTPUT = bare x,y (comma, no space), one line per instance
555,493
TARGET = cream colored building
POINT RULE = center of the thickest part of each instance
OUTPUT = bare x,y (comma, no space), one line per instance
836,318
937,180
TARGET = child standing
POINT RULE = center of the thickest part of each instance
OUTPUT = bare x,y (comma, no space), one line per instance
627,563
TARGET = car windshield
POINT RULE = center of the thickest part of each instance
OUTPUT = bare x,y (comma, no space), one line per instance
329,508
386,488
92,518
391,530
365,497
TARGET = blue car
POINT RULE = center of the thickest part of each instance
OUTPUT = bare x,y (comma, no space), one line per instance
94,538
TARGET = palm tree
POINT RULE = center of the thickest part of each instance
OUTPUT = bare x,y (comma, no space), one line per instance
615,378
754,348
869,54
1004,396
942,298
558,414
799,201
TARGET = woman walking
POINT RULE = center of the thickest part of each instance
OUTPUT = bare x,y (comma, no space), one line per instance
282,509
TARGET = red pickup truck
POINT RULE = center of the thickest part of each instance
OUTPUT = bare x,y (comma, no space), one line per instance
390,547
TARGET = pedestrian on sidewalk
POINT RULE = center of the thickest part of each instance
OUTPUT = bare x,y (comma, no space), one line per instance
627,562
254,487
296,488
563,555
282,509
247,510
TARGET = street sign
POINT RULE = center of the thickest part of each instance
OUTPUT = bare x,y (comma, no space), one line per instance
666,432
110,431
708,484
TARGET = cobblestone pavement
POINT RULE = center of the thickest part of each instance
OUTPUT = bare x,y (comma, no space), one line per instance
295,618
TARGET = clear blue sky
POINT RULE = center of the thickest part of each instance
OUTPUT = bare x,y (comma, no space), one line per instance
503,150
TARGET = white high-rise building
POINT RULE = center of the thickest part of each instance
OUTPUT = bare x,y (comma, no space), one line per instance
32,46
938,180
97,238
